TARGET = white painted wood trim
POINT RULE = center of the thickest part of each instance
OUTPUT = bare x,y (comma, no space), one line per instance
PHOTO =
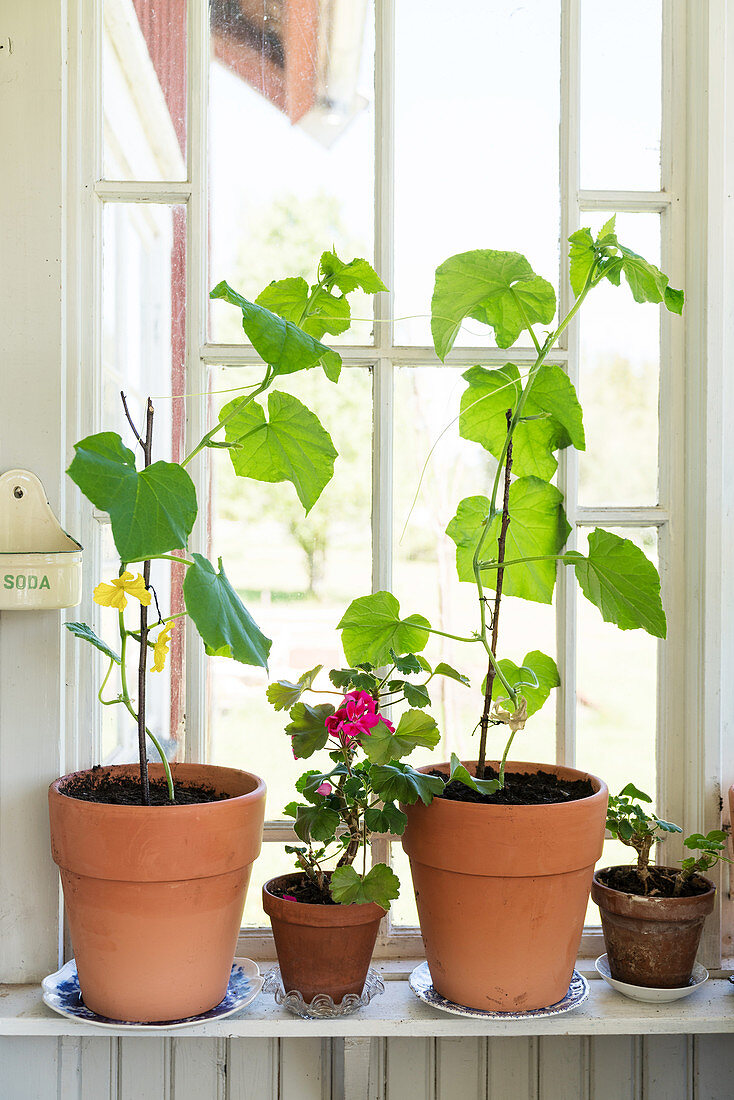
32,650
197,375
398,1011
627,201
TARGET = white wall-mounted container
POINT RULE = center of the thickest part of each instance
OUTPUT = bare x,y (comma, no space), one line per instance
40,565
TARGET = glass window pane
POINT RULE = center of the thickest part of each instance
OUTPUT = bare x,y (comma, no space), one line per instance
291,137
476,142
403,911
621,94
273,860
619,370
426,401
143,354
296,575
144,89
617,691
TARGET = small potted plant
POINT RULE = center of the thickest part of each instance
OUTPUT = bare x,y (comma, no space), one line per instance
652,917
155,859
502,860
326,915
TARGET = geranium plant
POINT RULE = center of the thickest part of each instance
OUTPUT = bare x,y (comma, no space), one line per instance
152,507
357,794
629,822
511,542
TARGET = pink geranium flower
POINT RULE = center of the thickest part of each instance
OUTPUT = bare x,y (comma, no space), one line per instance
324,788
356,717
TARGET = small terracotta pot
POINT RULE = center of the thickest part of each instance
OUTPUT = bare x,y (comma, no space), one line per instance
154,894
502,892
651,941
321,948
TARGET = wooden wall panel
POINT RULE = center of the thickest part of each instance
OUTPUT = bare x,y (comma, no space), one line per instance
667,1067
144,1069
410,1069
557,1068
512,1069
614,1068
253,1069
302,1069
29,1068
461,1069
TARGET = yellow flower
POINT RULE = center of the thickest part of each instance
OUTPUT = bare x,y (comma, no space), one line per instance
160,649
113,595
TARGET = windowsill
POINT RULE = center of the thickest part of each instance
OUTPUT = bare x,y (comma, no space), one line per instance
398,1011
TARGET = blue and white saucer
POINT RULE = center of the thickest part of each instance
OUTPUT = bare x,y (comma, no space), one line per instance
421,984
61,993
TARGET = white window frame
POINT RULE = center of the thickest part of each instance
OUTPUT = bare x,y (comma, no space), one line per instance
694,527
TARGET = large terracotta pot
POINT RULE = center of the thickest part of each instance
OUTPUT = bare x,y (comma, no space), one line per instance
154,894
502,892
651,941
321,948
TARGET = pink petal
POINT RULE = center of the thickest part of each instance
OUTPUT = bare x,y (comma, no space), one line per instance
324,788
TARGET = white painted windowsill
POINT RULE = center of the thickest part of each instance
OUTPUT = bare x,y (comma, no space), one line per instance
398,1012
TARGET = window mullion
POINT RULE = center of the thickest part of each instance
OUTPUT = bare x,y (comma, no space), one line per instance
197,411
566,622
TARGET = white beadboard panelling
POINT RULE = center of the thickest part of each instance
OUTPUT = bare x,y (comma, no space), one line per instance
563,1068
614,1068
713,1075
98,1069
667,1067
410,1069
461,1069
29,1069
300,1070
144,1069
87,1069
512,1069
252,1069
198,1069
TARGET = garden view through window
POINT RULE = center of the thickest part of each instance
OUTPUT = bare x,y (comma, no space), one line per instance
326,128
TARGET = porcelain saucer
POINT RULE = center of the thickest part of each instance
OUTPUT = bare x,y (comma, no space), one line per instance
651,996
61,993
421,984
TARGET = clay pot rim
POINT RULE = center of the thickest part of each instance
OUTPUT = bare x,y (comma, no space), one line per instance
353,913
656,901
258,791
523,766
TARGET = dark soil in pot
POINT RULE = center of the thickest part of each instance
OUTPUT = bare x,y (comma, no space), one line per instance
98,785
539,788
303,890
660,883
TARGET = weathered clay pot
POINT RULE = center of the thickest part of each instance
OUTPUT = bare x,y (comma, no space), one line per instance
502,892
321,948
154,894
651,941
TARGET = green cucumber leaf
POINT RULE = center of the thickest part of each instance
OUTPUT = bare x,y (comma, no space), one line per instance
81,630
621,581
291,445
372,629
499,289
152,511
223,622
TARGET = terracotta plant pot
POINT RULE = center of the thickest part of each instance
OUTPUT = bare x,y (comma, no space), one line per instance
321,948
154,894
651,941
502,892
